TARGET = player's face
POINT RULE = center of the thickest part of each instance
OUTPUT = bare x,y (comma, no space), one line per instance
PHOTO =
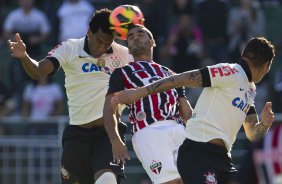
138,41
263,71
99,42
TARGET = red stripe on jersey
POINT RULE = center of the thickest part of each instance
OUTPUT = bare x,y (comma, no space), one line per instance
127,83
156,110
141,72
155,100
275,141
171,98
158,70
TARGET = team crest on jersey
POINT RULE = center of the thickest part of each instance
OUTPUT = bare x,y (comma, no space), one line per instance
252,93
115,62
156,167
101,62
140,116
65,173
210,178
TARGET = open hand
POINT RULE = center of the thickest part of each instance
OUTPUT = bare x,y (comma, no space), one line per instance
267,115
17,48
120,153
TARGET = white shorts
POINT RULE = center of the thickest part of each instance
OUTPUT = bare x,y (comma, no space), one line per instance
156,146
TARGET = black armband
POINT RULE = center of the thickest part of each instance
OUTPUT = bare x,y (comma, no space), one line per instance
55,63
206,80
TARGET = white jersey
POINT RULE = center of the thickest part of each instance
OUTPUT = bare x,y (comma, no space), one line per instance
221,109
86,77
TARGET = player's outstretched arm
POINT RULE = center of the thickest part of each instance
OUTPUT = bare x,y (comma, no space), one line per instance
190,79
254,128
119,149
33,68
185,109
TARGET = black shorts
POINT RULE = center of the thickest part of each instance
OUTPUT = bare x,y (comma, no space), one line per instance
86,151
203,163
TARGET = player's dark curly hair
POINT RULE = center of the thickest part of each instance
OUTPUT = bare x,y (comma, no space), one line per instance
100,19
259,50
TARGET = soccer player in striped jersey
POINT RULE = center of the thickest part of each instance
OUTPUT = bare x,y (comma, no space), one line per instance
226,103
87,64
157,120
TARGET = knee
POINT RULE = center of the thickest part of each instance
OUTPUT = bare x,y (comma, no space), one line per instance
107,178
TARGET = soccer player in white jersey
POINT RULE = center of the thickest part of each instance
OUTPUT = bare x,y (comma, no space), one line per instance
156,120
226,103
87,64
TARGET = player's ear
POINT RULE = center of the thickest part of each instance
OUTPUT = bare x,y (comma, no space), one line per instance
153,43
89,32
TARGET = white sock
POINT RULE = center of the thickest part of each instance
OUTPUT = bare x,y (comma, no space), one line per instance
107,178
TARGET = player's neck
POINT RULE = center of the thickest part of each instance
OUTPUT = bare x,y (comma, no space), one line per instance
143,57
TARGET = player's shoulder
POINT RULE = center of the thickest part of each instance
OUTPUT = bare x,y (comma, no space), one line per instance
37,11
15,13
74,43
232,67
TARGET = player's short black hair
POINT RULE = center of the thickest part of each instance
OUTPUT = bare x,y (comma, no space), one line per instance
100,19
131,26
259,50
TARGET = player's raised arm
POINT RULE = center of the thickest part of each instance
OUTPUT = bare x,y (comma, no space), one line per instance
32,67
192,79
254,128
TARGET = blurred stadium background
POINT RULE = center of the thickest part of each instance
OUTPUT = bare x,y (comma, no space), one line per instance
189,34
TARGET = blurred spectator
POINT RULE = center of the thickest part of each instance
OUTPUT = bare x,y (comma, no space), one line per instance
182,6
183,45
212,19
41,99
31,23
156,20
184,49
34,28
245,22
73,18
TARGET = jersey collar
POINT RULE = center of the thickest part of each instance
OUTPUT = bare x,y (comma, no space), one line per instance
87,50
246,69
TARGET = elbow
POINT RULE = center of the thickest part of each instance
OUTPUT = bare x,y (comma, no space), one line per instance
251,137
41,71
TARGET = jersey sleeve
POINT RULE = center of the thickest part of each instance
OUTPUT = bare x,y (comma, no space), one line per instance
223,75
116,82
61,53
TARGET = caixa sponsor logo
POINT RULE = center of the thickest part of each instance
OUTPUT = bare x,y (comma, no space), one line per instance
241,104
90,67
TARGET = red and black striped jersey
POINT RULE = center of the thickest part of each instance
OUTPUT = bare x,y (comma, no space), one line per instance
156,107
